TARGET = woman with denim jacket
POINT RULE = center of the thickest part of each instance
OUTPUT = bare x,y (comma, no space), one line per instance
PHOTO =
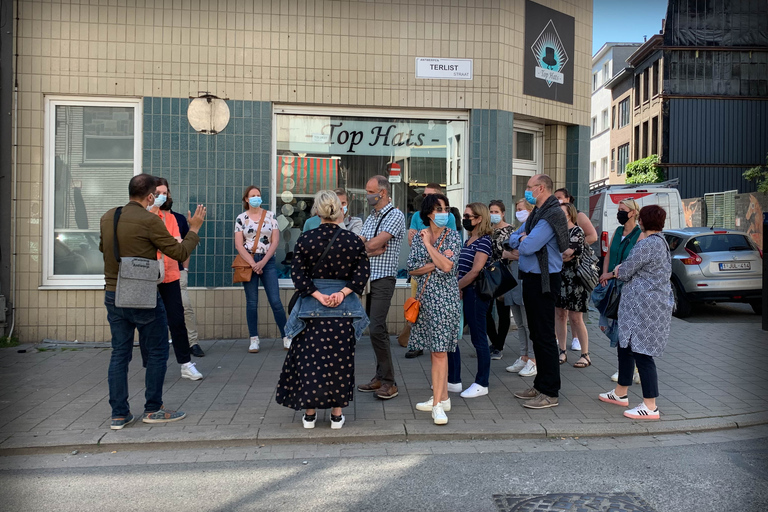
328,318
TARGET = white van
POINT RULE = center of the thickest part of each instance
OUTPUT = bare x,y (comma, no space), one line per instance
604,204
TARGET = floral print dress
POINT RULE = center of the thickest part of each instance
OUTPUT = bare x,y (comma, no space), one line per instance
573,295
438,326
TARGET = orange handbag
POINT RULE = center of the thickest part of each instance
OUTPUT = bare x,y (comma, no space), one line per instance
412,306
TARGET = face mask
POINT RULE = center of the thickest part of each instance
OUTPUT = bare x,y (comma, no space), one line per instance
160,200
372,199
522,215
254,201
529,197
622,217
467,224
441,219
345,210
561,201
168,204
495,218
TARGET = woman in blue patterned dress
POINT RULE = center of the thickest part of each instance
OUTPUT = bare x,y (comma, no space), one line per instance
645,314
433,263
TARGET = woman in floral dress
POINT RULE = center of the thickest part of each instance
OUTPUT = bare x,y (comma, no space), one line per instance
574,297
433,263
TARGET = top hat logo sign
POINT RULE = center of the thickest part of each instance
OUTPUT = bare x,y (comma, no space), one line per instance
550,54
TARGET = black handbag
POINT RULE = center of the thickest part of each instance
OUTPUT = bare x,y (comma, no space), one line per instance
494,281
612,306
297,294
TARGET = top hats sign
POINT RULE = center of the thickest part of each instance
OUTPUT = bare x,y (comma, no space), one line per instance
549,40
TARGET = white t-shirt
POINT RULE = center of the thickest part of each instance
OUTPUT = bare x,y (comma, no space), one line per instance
248,227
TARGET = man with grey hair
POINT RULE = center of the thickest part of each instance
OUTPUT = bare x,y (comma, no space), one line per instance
383,233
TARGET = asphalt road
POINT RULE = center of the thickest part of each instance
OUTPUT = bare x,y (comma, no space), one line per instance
716,471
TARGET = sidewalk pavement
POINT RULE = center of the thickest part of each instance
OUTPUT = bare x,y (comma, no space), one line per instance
712,376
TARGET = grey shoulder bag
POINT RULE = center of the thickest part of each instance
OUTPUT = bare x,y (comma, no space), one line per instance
137,278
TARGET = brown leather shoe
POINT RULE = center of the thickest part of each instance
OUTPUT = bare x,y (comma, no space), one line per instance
386,391
370,387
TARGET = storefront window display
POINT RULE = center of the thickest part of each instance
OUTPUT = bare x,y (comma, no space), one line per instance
315,152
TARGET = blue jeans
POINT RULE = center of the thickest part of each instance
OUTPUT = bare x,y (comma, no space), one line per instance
268,280
475,311
153,339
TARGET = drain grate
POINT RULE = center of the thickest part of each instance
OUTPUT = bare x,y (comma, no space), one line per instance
571,502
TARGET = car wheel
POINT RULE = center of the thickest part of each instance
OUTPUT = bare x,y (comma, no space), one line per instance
757,306
682,305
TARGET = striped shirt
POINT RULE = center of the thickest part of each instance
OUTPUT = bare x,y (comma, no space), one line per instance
467,257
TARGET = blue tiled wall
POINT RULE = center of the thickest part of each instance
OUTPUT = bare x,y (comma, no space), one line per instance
490,154
577,165
212,170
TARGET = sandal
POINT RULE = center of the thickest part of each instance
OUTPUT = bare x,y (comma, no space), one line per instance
563,353
583,364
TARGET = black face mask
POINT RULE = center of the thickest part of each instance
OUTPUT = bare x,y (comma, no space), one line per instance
622,217
167,204
467,224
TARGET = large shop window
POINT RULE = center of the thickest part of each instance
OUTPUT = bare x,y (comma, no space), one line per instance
319,151
92,151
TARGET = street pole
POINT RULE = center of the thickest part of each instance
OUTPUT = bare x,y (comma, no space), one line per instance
765,271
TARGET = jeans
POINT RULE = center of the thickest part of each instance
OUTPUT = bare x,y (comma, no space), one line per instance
153,339
268,280
540,311
189,312
646,367
498,337
377,307
475,311
174,309
526,345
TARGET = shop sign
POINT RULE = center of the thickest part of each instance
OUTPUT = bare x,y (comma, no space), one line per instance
324,135
394,170
444,69
549,47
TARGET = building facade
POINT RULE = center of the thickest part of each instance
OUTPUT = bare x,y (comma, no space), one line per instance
290,96
621,124
607,62
647,64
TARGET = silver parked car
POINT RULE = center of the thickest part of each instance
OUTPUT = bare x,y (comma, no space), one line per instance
714,265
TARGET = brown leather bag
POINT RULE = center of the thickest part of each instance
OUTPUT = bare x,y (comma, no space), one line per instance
242,268
412,306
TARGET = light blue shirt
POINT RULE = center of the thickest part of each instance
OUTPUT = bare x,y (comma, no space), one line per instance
542,234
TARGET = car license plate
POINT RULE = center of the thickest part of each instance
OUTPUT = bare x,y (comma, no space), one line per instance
735,266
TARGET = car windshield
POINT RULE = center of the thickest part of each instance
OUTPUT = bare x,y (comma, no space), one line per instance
719,243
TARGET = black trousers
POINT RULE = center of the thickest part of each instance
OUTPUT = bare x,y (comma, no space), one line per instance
540,312
377,309
174,310
498,337
646,368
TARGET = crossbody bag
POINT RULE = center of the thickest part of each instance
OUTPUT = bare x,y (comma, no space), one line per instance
137,278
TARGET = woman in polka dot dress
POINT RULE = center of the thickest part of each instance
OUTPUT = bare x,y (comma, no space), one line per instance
328,319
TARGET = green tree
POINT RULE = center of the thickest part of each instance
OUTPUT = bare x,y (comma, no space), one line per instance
645,170
760,175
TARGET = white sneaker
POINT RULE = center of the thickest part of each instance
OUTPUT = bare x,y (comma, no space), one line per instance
438,414
612,398
636,377
474,391
529,370
516,366
575,345
335,425
455,388
254,345
615,376
428,405
307,423
642,412
286,342
188,371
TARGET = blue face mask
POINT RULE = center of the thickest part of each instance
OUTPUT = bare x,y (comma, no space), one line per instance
529,197
495,218
345,210
254,201
441,219
160,200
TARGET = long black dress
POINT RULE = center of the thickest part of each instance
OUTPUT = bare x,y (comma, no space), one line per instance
319,370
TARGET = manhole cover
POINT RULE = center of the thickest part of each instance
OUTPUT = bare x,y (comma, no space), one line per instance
571,502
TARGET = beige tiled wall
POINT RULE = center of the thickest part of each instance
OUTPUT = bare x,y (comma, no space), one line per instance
357,53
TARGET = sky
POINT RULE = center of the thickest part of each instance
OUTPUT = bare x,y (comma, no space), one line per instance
625,21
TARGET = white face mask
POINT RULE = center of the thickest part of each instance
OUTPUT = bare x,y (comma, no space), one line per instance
561,201
522,215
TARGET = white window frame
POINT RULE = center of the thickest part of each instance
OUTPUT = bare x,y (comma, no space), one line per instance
448,115
594,126
535,166
606,119
72,282
606,71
